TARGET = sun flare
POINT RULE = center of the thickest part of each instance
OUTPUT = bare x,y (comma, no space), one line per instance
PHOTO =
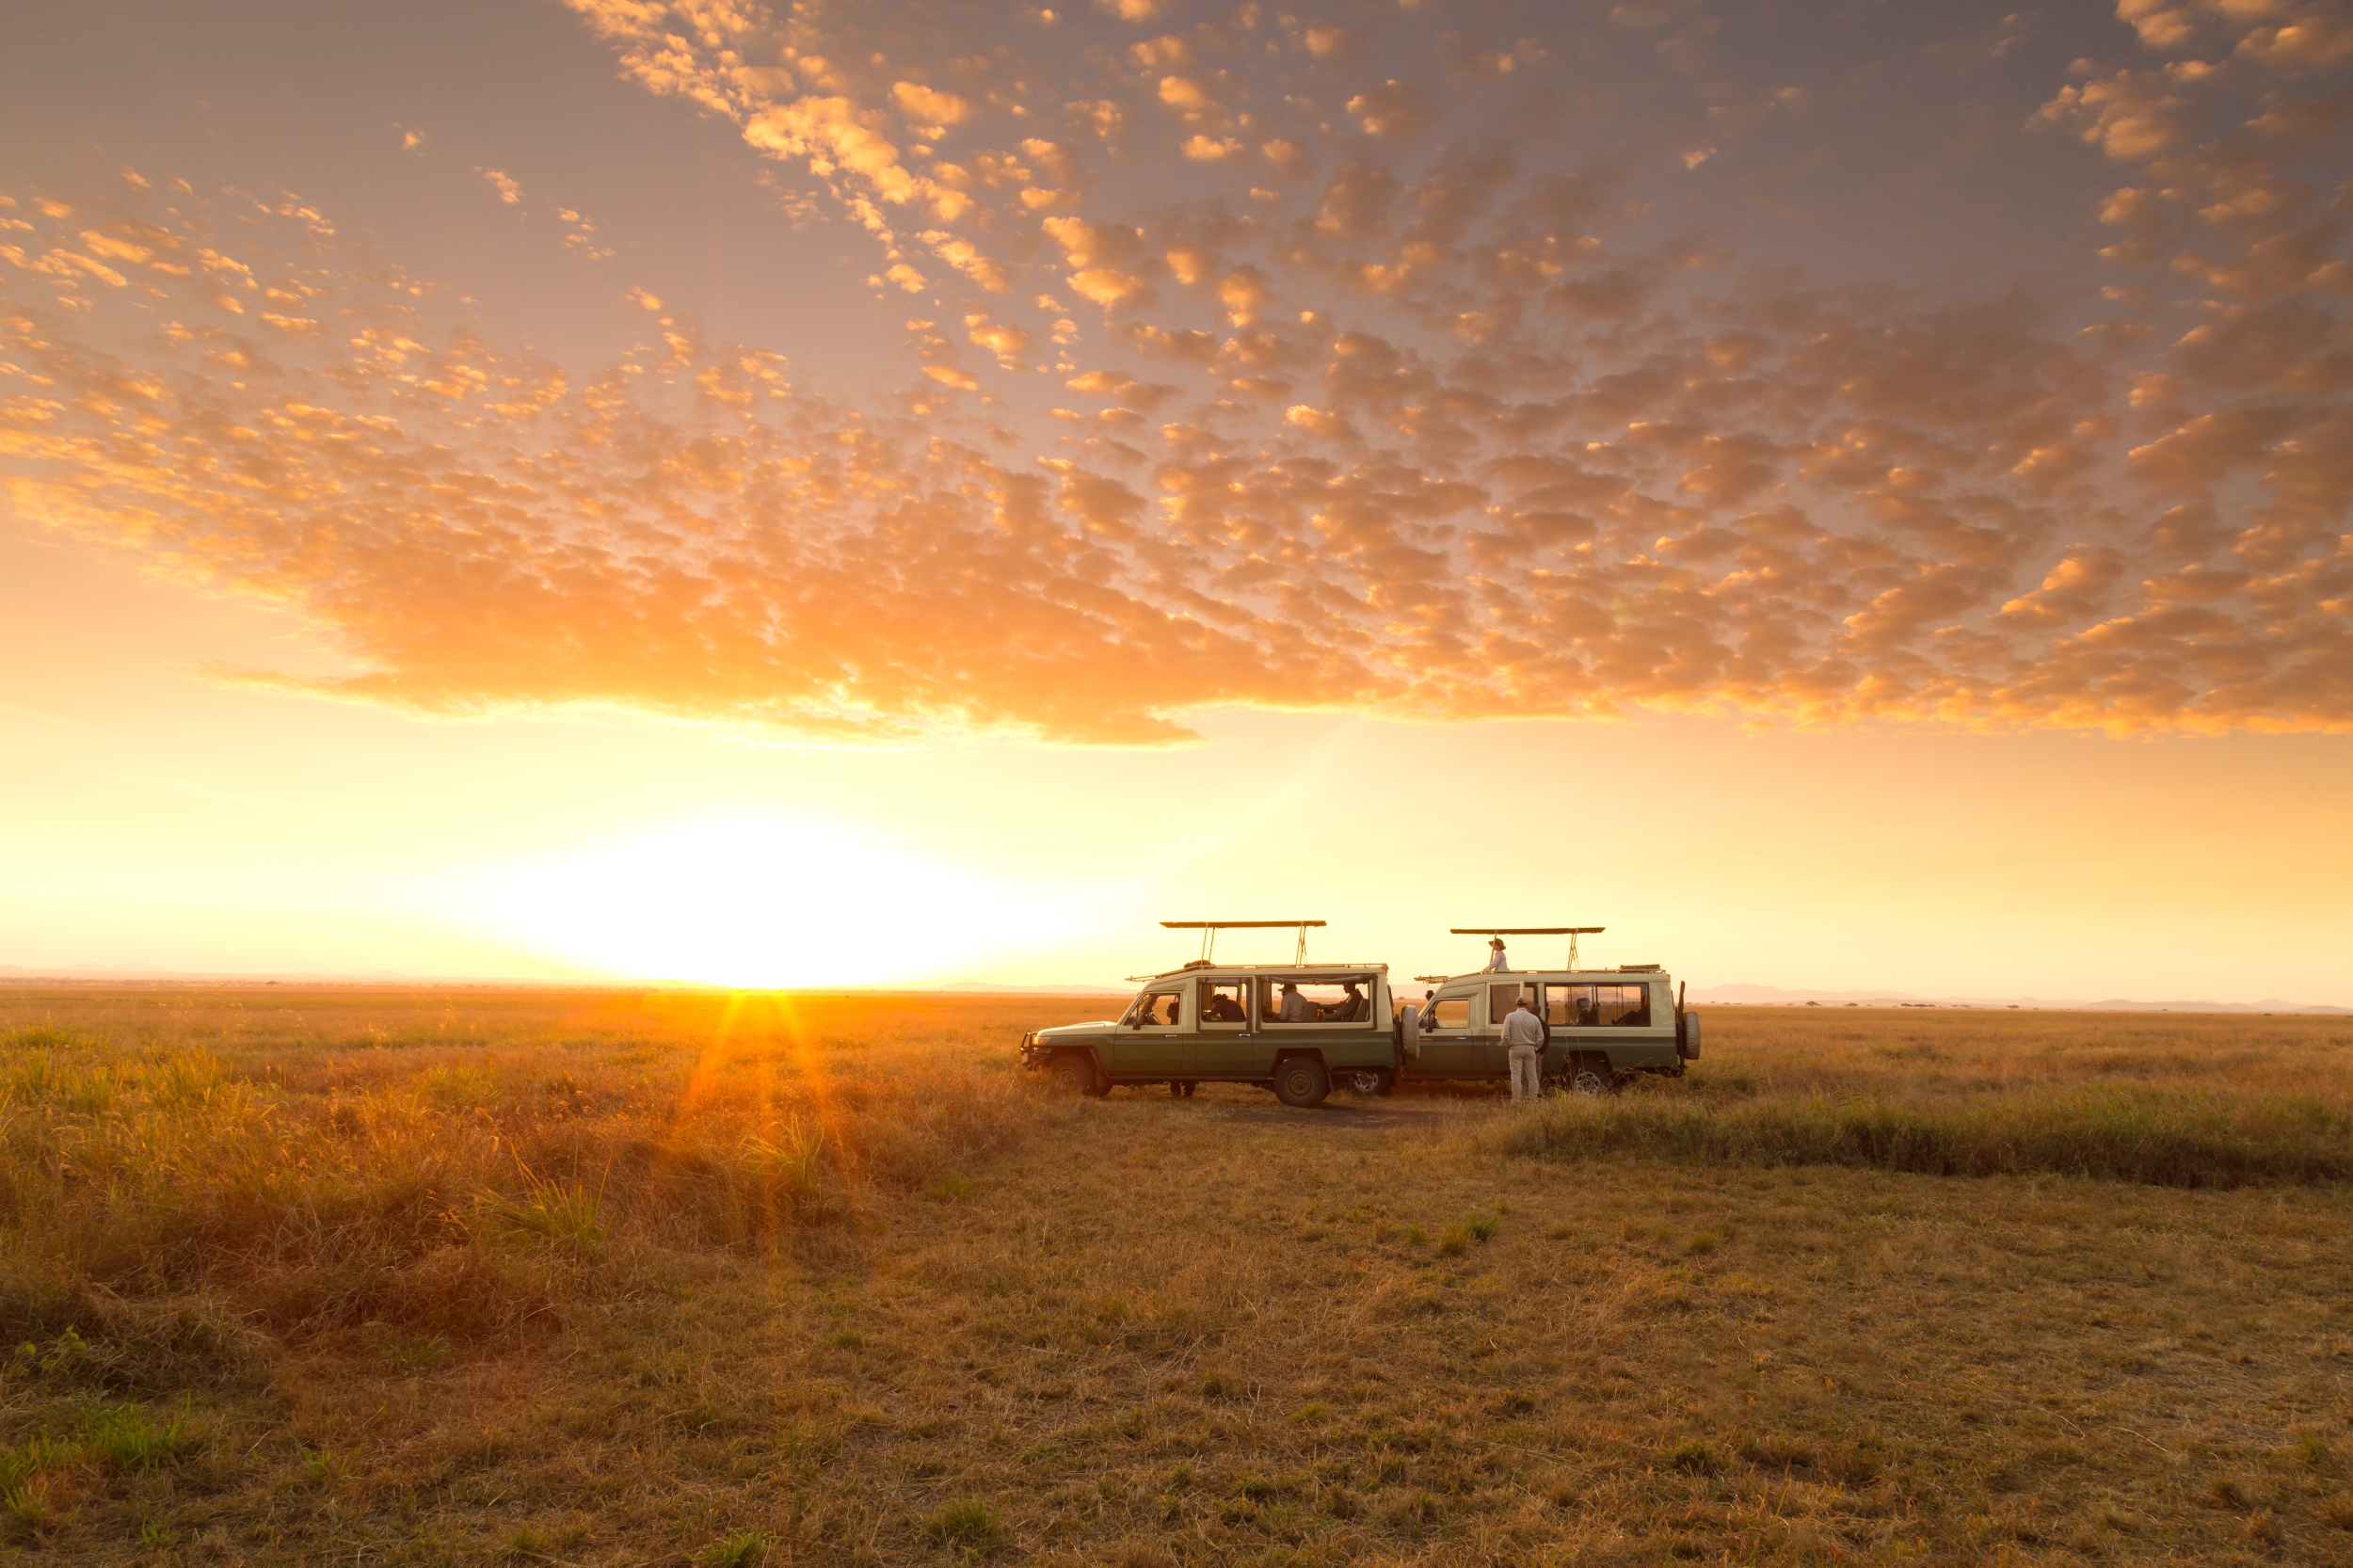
757,903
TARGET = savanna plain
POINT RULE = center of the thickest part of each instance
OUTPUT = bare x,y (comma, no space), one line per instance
297,1274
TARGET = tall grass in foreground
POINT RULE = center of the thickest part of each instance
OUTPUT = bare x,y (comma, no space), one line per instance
2167,1139
2193,1101
175,1203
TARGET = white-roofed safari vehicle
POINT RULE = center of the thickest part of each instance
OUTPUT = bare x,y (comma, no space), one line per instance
1294,1028
1603,1026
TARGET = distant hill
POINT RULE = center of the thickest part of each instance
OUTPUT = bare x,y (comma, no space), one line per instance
1774,996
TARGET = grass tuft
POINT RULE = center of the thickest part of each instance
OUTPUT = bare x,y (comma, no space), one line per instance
742,1548
26,1503
123,1437
412,1355
1696,1459
967,1523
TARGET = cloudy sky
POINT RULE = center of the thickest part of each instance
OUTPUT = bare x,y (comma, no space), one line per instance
1844,495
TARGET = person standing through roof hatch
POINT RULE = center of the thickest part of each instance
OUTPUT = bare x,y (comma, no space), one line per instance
1497,963
1523,1039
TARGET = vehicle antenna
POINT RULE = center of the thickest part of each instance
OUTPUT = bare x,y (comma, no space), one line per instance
1571,932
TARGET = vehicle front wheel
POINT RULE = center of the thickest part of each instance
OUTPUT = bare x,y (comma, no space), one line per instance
1302,1082
1589,1081
1071,1074
1371,1082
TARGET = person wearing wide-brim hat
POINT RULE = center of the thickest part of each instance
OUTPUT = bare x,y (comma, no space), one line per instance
1496,962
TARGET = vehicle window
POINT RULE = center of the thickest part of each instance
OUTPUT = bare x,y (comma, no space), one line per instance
1631,1004
1502,1000
1155,1008
1336,999
1222,1003
1448,1013
1597,1006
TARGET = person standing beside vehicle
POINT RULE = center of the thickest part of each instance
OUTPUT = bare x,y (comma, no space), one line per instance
1524,1042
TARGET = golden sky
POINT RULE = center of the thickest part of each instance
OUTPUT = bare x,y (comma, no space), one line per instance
1844,498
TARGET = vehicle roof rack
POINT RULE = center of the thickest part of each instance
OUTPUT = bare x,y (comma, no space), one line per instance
1640,969
1571,932
1209,929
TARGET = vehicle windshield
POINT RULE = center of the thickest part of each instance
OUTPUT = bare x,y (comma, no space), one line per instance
1156,1005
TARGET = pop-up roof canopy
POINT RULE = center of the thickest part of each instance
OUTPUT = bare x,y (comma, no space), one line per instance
1571,932
1209,929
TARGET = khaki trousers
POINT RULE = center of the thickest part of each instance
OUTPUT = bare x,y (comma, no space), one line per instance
1526,1073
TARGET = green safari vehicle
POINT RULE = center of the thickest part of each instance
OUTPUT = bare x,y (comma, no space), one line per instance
1294,1028
1604,1025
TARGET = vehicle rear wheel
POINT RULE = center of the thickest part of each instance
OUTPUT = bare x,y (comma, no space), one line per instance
1071,1074
1370,1083
1589,1081
1186,1088
1302,1082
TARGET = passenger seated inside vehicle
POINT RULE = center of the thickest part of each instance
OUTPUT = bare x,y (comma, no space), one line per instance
1574,1006
1317,998
1222,1004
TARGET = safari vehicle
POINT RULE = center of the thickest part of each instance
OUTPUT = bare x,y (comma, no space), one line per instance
1294,1028
1604,1025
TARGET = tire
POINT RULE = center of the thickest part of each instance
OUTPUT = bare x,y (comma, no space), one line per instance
1409,1035
1589,1082
1071,1074
1687,1038
1302,1082
1187,1088
1371,1082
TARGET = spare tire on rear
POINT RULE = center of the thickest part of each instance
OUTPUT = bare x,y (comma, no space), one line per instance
1406,1031
1687,1036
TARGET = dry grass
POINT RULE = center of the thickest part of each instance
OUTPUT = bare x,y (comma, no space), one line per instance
587,1279
192,1170
2173,1100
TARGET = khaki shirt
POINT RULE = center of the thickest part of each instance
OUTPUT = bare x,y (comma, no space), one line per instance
1524,1030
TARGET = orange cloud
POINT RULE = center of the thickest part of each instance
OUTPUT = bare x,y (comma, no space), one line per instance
1439,428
